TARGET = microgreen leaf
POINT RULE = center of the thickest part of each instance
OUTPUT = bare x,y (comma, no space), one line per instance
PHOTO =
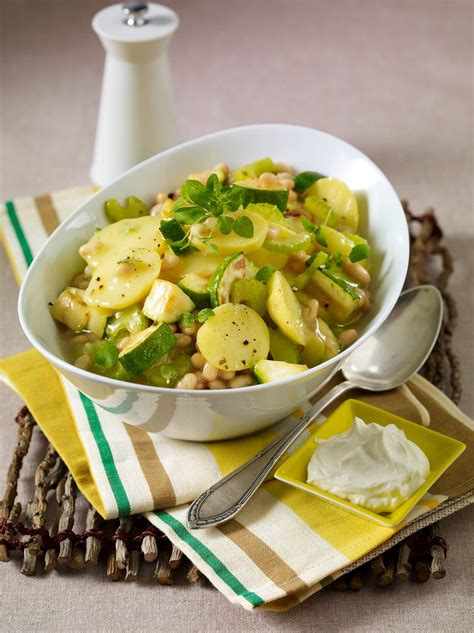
232,198
213,184
359,252
189,215
204,315
243,226
338,258
225,224
265,273
195,192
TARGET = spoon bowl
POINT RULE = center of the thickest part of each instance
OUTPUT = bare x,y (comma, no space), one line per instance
402,343
389,358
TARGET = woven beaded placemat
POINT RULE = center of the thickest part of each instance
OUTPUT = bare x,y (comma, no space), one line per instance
56,527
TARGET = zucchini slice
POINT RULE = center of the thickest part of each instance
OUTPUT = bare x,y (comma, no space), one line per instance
220,284
252,193
285,309
281,348
273,370
195,286
252,293
145,348
129,321
71,309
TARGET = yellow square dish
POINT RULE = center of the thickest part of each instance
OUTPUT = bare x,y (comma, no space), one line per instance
440,450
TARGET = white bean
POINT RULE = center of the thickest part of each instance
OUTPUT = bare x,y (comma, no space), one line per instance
198,361
183,340
357,272
347,337
217,384
161,197
83,362
268,180
209,372
189,329
170,261
226,375
240,381
188,381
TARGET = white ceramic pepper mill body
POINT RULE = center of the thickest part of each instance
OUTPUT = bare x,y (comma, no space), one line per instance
137,117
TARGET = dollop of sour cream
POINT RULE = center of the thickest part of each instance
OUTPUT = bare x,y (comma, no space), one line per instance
371,465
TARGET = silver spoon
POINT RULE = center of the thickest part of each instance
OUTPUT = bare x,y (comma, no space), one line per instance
386,360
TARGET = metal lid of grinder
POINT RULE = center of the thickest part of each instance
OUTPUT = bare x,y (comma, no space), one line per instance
135,22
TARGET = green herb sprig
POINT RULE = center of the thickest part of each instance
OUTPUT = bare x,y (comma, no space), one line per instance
198,202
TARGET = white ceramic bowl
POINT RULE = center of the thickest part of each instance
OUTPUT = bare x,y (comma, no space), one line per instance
221,414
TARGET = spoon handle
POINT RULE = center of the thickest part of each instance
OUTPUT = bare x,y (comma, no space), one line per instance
227,497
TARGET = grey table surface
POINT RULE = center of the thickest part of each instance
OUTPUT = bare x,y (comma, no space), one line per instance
394,78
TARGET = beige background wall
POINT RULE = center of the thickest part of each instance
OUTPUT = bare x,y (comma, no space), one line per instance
392,77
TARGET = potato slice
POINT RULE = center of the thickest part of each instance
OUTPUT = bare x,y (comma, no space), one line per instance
232,243
235,338
122,279
143,232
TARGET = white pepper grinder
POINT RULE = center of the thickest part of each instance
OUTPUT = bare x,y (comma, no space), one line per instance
137,117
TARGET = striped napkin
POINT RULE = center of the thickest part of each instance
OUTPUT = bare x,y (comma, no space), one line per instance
285,545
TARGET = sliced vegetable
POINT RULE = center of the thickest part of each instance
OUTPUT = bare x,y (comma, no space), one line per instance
288,242
143,232
203,264
168,373
166,302
337,300
321,211
285,309
263,257
123,279
281,348
129,321
71,309
252,293
340,198
272,370
145,348
254,170
321,346
195,286
232,268
253,193
235,338
132,208
270,212
214,241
